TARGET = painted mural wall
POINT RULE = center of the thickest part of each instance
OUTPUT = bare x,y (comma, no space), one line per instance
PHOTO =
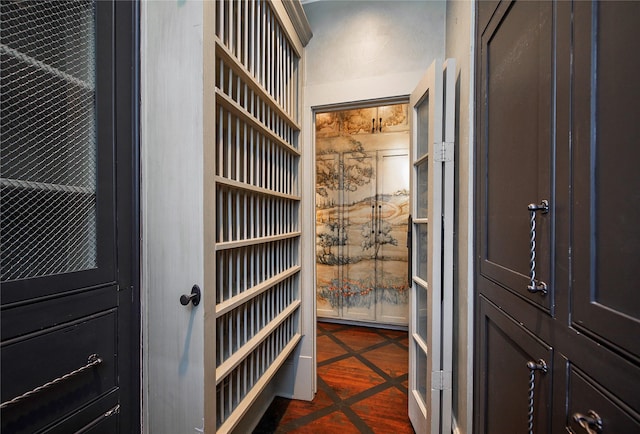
362,206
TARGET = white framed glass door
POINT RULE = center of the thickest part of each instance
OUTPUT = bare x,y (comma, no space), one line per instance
430,322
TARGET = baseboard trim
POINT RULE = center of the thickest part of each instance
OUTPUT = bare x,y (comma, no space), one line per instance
372,324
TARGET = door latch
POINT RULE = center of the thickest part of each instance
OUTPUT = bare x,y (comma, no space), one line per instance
193,298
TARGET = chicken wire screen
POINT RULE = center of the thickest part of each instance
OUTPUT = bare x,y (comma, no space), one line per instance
48,138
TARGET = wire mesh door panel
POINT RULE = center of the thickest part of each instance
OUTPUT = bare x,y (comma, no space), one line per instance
55,160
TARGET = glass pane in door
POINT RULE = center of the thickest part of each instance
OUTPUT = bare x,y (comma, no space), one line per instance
421,313
421,378
422,193
422,126
422,253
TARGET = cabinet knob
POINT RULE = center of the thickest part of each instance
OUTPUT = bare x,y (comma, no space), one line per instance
194,297
591,422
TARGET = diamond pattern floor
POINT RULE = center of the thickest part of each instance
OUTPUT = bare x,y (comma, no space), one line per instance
362,386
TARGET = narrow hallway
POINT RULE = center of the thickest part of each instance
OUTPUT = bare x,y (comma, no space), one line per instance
362,386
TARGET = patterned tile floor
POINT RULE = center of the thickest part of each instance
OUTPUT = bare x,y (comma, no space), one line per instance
362,386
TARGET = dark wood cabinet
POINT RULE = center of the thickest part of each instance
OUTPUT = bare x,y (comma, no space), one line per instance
503,364
605,179
557,121
68,204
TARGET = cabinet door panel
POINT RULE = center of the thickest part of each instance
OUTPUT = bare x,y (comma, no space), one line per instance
359,212
57,185
515,145
330,235
606,179
44,357
33,317
585,395
504,376
393,211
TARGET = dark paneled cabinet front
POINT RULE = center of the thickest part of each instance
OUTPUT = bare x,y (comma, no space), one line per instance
509,349
67,214
558,312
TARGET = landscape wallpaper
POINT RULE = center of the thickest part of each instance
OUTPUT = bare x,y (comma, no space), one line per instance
362,206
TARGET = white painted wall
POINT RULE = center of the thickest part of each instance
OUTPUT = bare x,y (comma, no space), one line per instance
172,214
370,49
459,45
360,50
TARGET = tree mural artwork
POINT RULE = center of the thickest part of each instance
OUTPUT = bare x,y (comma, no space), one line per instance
371,238
333,234
357,172
327,176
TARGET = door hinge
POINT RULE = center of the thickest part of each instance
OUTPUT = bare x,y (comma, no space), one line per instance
441,380
443,151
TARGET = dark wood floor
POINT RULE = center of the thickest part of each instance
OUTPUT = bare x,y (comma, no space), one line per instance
362,386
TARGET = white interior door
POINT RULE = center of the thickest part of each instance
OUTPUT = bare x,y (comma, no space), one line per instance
430,322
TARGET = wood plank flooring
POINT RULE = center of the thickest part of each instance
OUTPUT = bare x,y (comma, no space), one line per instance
362,386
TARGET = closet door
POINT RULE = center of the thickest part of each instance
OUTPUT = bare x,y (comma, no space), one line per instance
606,178
392,213
605,306
330,233
516,207
425,324
362,207
431,254
515,153
359,219
68,256
506,378
57,148
558,118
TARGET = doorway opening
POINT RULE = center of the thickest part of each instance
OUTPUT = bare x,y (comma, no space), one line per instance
362,286
362,210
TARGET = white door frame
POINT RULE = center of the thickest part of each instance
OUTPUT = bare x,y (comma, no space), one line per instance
385,89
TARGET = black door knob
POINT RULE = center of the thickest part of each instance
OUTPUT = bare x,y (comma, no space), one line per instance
194,297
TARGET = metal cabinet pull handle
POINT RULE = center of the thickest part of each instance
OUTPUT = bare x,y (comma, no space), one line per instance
109,413
534,286
373,210
540,365
93,360
590,422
